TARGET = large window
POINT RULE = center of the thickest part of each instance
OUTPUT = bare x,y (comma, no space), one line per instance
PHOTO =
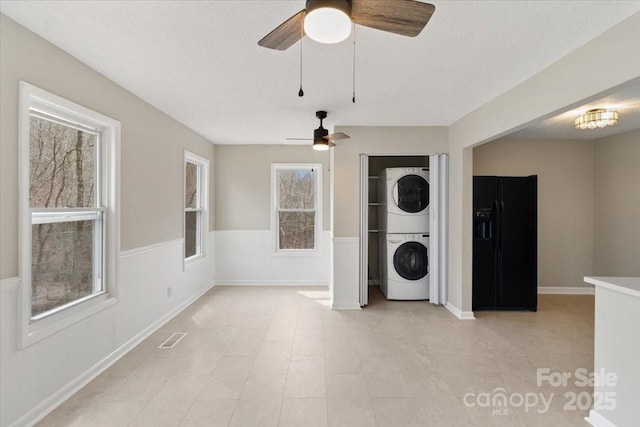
195,205
68,221
297,200
67,212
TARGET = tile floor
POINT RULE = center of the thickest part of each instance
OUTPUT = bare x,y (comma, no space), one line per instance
268,356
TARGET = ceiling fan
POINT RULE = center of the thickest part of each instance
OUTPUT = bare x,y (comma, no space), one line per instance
330,21
322,141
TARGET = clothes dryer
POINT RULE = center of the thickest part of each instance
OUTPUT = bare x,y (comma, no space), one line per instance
403,194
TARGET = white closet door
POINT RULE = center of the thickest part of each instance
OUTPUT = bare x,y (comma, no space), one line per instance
364,230
438,191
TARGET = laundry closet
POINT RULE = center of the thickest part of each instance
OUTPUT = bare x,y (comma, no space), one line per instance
403,213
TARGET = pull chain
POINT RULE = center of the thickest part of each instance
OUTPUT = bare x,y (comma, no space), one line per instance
353,99
301,92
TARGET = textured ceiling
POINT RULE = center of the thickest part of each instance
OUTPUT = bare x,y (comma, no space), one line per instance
626,101
199,62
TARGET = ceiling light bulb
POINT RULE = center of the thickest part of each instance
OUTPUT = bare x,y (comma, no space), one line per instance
597,118
321,145
327,25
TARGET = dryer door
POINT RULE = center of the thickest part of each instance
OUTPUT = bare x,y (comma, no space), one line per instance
411,193
411,261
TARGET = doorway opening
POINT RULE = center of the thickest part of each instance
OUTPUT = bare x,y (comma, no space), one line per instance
371,252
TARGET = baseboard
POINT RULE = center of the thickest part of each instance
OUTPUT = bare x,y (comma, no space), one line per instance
597,420
48,405
462,315
345,306
270,283
566,290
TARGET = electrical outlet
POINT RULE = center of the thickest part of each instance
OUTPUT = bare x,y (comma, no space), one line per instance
169,290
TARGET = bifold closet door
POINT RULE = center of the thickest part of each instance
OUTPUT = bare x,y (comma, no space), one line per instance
438,199
364,230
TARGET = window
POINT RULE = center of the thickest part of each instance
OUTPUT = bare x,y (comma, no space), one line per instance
195,205
297,199
66,213
68,222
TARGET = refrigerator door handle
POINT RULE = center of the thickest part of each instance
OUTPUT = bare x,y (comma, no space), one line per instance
497,241
501,238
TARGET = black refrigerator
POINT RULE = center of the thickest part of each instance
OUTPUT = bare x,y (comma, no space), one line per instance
505,234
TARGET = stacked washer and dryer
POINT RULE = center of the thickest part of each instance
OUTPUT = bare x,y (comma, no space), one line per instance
403,218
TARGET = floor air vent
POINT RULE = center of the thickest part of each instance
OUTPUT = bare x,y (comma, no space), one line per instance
173,340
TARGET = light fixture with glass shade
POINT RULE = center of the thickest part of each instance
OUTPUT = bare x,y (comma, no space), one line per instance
328,21
321,145
596,118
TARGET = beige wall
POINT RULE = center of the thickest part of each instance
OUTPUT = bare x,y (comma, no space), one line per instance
375,141
560,87
243,183
152,143
565,200
617,205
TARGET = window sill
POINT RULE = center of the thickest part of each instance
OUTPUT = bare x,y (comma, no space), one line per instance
194,261
41,329
297,253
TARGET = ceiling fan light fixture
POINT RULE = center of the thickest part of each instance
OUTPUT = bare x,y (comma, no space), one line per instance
321,145
328,21
596,118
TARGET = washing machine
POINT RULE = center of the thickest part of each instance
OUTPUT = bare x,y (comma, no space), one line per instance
403,194
405,266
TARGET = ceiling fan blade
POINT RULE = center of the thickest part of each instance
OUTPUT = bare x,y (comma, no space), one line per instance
404,17
337,136
286,35
332,144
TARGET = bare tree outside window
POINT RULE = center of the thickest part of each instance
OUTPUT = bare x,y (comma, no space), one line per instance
190,216
296,209
62,165
191,185
62,180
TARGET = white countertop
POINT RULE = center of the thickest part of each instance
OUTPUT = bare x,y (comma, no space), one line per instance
625,285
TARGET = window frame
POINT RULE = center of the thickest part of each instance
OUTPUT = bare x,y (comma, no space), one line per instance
106,212
318,249
202,209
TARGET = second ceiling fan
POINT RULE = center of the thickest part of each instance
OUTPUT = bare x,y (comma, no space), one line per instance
322,140
330,21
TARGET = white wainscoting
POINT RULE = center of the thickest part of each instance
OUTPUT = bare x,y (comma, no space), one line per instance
38,378
10,284
246,257
346,273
